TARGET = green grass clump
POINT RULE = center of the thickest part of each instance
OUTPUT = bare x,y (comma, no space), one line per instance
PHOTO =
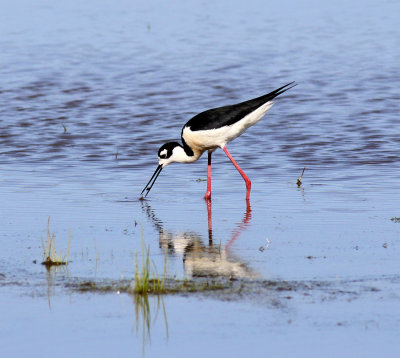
50,255
143,284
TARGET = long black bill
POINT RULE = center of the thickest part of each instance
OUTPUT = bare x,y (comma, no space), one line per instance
148,187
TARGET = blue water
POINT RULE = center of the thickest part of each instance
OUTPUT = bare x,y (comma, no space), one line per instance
88,93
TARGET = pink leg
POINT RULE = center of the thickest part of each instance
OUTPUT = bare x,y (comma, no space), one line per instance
210,238
208,193
246,179
241,227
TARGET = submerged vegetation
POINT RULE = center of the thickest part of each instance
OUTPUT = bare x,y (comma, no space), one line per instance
50,255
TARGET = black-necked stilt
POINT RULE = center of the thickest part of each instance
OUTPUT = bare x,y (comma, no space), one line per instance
213,129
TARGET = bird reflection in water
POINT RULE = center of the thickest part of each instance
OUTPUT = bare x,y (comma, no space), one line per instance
205,260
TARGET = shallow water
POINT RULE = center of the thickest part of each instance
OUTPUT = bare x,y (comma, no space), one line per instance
88,93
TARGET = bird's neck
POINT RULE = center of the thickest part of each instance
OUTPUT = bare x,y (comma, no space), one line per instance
183,154
187,149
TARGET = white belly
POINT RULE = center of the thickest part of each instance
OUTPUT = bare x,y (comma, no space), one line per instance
202,140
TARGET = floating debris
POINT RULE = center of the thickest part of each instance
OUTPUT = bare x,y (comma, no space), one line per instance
301,177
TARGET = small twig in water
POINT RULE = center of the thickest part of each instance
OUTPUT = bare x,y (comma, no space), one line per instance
301,177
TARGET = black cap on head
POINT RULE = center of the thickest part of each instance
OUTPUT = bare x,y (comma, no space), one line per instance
166,149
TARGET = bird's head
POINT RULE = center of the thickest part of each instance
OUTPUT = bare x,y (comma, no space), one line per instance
167,154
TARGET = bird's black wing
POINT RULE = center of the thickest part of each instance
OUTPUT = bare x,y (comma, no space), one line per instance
228,115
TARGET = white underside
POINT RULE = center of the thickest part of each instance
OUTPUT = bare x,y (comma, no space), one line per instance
199,260
202,140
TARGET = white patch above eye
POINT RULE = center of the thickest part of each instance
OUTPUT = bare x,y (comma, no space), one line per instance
163,152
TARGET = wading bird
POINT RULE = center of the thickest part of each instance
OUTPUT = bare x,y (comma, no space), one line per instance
213,129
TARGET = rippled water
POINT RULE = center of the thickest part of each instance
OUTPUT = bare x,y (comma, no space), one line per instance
92,81
90,90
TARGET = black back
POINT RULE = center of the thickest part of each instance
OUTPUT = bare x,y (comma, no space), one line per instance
228,115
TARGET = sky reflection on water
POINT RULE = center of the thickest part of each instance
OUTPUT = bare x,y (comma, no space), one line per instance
88,93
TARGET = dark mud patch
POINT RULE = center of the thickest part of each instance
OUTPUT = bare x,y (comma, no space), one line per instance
171,286
311,291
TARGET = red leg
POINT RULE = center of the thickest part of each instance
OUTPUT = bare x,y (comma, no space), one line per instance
210,238
208,193
241,227
246,179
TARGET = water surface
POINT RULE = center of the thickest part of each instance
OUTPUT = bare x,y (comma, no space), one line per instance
88,93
